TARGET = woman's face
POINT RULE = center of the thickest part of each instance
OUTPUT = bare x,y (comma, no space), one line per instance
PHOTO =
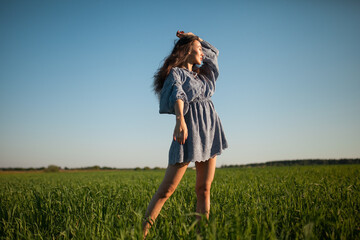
196,54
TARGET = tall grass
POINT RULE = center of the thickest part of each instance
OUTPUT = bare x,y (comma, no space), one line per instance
308,202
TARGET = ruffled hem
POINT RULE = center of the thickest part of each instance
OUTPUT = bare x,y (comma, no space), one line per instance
217,153
195,161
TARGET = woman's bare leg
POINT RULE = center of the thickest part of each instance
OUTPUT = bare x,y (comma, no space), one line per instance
205,172
173,175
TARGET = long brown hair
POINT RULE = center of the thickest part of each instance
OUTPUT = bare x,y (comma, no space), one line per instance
175,59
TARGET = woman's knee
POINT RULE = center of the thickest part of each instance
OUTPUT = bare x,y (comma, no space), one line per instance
165,193
203,190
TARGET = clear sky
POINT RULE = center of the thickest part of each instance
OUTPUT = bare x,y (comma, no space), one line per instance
76,76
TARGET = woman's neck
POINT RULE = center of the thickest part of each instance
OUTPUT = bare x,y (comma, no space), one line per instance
188,66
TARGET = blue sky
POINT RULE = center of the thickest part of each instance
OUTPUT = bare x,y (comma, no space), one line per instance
75,79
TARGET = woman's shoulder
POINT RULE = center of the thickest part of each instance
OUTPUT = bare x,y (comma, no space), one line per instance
177,73
173,76
173,72
177,70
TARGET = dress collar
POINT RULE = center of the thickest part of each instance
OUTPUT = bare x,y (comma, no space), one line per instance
193,73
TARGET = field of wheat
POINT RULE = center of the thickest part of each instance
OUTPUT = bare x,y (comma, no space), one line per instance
298,202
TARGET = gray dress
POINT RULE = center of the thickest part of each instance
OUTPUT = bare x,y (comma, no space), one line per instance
206,137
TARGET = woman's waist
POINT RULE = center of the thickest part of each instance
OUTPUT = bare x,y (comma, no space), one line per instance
201,100
203,106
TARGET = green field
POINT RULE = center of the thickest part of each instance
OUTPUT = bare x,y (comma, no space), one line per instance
308,202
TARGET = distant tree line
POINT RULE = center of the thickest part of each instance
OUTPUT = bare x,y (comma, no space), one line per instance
23,169
55,168
300,162
96,167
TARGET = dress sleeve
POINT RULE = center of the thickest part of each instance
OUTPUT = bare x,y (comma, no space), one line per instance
172,91
210,61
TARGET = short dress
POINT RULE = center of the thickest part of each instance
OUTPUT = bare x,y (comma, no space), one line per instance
206,137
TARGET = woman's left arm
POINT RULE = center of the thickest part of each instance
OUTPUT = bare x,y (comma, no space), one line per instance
180,131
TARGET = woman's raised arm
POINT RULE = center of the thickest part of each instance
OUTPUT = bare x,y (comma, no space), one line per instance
210,61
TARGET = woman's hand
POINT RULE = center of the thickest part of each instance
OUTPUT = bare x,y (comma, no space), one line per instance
180,131
181,34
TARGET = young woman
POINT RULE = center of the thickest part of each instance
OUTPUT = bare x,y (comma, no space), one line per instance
185,84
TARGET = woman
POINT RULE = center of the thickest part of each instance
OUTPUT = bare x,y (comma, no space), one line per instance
185,84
